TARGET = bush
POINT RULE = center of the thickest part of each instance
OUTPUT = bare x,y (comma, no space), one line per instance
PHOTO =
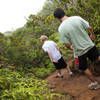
13,86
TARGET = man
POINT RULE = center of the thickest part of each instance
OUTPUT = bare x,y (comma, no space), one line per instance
72,31
54,53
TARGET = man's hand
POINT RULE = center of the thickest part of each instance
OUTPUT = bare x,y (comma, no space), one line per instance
68,46
92,37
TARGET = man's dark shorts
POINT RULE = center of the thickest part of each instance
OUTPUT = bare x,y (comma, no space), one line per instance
60,64
92,54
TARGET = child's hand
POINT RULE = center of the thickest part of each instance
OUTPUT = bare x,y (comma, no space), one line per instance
54,60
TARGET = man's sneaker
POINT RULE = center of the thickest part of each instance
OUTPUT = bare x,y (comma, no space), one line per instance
94,86
97,87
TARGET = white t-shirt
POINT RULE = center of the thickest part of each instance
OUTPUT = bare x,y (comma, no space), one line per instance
52,48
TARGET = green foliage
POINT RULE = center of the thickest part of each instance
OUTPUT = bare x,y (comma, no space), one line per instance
89,10
23,48
2,44
43,72
13,86
22,53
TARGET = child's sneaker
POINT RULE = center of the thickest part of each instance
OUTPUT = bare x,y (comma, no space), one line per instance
59,76
71,73
94,86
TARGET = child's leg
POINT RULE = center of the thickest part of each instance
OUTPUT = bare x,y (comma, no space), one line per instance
59,74
69,70
59,71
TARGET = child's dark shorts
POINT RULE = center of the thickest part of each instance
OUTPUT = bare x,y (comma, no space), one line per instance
92,54
60,64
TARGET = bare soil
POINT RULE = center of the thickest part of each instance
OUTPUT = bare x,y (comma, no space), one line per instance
76,85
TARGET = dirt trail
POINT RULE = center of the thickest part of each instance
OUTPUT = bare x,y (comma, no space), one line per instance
76,86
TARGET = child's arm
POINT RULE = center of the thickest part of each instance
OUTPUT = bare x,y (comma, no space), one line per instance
58,49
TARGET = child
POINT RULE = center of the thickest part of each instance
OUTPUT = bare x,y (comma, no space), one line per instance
54,53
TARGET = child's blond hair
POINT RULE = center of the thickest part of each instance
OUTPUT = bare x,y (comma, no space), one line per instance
43,38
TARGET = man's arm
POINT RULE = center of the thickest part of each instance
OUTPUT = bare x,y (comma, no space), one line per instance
92,36
87,26
68,46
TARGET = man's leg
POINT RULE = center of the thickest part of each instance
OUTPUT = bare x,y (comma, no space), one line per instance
90,75
83,66
93,54
94,84
99,58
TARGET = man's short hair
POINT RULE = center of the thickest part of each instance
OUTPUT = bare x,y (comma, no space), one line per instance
59,13
43,38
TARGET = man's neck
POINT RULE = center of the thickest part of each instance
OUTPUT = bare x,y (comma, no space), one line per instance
64,18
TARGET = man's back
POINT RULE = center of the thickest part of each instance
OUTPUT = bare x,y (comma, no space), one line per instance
73,31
